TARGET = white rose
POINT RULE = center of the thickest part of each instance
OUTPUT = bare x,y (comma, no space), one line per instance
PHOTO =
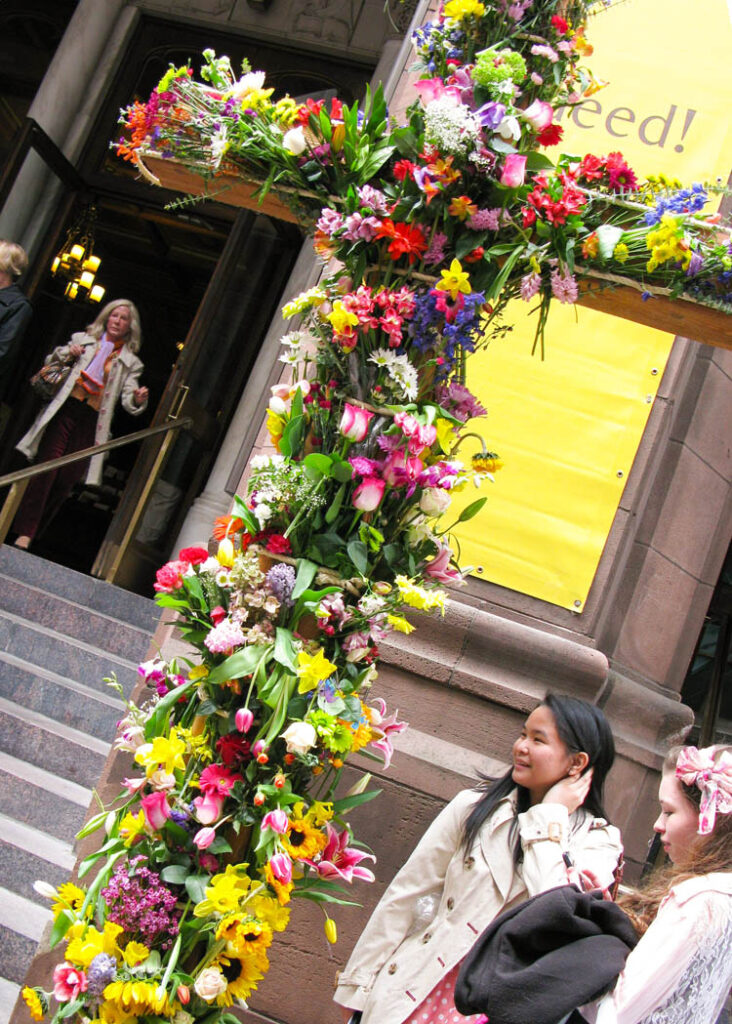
299,737
294,141
434,501
210,983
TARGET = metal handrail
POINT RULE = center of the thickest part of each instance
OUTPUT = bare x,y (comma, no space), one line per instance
97,449
18,480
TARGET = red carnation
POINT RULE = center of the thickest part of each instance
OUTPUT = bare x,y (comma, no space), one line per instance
233,749
559,24
193,555
550,135
278,544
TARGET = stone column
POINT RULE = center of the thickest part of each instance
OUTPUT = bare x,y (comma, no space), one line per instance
65,106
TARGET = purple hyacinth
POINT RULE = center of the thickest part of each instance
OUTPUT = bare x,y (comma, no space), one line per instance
281,581
101,972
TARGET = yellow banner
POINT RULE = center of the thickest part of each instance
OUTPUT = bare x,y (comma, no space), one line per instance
568,428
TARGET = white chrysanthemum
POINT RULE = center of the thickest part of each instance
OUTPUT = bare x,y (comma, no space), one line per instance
404,375
246,84
381,356
219,145
263,512
450,127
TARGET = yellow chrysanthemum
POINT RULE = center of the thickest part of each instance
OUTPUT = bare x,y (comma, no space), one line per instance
305,300
459,10
285,111
257,99
621,252
488,462
134,953
139,998
35,1003
270,911
88,942
362,736
244,936
69,897
225,893
131,826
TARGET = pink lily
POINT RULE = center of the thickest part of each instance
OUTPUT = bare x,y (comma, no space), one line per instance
431,89
439,567
382,728
339,861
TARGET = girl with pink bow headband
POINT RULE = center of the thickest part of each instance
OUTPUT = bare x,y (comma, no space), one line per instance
713,778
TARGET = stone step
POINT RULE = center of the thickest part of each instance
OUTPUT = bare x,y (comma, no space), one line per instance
74,620
65,657
9,993
75,586
43,810
64,700
22,867
57,748
22,924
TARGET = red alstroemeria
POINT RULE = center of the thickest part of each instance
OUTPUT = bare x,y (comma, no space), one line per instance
559,24
591,168
403,169
309,107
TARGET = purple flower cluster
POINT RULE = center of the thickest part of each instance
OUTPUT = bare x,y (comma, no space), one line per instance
685,200
281,581
459,401
102,971
448,334
141,904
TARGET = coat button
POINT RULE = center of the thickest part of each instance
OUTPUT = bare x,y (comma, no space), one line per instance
470,863
427,936
392,968
450,903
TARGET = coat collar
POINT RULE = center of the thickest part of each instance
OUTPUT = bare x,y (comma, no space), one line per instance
495,844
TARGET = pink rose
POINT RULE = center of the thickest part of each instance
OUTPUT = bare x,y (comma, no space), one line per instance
157,810
514,170
539,114
277,821
68,982
354,423
368,494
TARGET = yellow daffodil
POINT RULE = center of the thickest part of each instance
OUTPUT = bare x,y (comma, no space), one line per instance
269,911
135,953
319,812
400,624
459,10
445,434
164,751
313,669
82,948
225,893
341,319
418,597
131,826
454,281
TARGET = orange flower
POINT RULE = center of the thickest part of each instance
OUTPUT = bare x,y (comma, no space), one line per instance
462,207
224,526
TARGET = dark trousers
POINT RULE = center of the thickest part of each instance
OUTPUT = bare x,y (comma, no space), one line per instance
71,429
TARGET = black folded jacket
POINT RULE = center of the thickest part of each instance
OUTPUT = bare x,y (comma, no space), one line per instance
540,960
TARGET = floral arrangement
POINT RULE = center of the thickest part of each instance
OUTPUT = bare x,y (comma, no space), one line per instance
235,803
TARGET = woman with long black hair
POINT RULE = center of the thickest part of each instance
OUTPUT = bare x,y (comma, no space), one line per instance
540,825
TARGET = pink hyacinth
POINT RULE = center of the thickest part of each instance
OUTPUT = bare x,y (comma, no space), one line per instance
530,285
564,286
224,637
339,862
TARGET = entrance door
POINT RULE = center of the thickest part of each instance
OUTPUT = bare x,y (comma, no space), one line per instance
206,384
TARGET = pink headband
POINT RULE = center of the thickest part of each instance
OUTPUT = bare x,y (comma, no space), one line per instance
697,768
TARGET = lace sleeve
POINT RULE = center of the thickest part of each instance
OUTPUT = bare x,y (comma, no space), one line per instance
681,970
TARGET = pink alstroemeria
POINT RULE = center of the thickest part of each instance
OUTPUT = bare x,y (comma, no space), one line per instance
514,170
281,866
431,89
539,115
157,810
134,785
383,728
68,982
209,808
439,568
218,779
277,821
368,494
338,861
354,423
244,719
204,837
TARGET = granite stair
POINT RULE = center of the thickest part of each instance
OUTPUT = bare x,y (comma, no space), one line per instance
61,634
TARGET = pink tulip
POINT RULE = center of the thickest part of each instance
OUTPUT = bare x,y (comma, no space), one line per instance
157,810
258,748
209,807
281,866
539,114
354,423
244,719
277,821
368,494
204,837
514,170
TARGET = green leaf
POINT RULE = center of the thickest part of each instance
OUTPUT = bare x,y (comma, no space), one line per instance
175,874
538,162
335,506
220,845
245,514
156,723
341,470
241,663
324,897
339,806
359,555
68,1009
306,571
496,287
472,510
60,926
293,436
196,886
284,650
317,465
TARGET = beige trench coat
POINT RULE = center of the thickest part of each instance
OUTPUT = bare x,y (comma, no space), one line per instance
396,962
122,382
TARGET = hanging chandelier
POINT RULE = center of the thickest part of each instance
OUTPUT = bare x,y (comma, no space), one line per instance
76,263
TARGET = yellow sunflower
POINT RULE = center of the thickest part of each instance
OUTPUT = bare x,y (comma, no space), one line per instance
244,936
303,839
281,889
69,897
139,998
241,977
35,1003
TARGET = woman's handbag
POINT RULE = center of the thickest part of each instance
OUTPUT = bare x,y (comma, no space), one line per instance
49,379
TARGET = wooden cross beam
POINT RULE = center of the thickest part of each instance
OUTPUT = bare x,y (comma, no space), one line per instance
605,293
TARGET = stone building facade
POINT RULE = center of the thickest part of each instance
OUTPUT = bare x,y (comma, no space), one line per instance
464,682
